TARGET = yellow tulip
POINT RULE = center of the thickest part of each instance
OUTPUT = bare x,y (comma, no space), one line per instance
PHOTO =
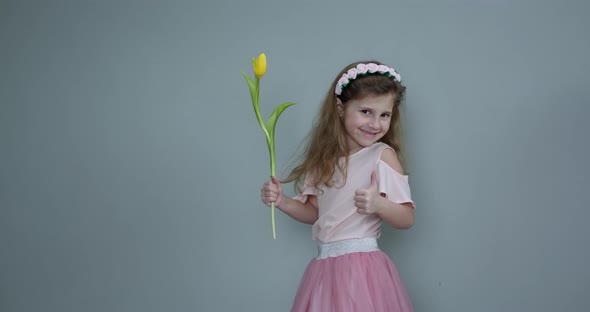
259,65
268,127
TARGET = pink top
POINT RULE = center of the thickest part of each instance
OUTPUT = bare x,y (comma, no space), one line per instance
338,219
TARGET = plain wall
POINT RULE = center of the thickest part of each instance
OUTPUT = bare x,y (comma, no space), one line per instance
131,161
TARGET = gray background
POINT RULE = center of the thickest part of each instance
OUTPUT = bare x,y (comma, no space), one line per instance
131,161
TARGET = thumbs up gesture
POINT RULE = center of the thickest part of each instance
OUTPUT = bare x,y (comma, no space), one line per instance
365,200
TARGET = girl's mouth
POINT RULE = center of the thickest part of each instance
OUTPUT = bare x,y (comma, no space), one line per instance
369,132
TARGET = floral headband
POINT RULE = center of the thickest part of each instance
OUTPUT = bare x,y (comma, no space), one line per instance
365,69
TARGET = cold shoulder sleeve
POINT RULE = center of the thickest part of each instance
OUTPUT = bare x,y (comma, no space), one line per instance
394,185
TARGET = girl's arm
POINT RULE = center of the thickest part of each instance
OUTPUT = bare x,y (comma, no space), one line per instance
272,192
305,213
400,216
370,201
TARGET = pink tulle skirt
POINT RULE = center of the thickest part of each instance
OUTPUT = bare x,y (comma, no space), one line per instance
365,281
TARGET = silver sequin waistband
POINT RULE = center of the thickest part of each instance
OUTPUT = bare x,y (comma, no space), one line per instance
347,246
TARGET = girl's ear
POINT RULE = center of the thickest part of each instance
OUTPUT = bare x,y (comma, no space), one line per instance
340,108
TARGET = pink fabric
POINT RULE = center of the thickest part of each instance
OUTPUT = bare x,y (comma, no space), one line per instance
394,185
338,219
359,282
356,281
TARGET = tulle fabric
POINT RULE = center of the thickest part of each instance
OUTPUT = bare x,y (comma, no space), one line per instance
359,282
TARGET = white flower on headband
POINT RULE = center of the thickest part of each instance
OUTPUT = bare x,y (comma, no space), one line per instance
364,69
351,73
383,69
372,67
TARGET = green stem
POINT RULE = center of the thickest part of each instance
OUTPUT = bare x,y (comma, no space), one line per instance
257,108
270,141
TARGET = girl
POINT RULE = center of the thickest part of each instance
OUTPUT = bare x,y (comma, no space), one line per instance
351,180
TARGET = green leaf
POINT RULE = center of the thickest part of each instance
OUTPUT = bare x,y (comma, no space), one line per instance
252,87
274,117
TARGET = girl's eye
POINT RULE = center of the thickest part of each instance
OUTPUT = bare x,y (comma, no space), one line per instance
365,111
386,115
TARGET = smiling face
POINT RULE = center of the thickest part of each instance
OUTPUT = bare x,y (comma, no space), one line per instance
366,120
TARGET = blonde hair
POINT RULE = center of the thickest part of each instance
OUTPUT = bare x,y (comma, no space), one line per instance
327,140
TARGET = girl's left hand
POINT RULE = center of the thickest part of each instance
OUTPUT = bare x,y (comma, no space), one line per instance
365,200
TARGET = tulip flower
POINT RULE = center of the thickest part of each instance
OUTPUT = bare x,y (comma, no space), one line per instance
259,66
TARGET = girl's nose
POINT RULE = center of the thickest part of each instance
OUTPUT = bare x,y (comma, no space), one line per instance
374,123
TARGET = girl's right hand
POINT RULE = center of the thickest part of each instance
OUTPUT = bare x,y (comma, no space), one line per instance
271,192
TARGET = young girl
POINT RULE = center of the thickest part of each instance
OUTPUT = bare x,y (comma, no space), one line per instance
351,180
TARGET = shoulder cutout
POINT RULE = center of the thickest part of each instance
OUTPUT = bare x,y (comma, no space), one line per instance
389,156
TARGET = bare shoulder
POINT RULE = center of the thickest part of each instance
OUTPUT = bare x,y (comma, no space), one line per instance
389,156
